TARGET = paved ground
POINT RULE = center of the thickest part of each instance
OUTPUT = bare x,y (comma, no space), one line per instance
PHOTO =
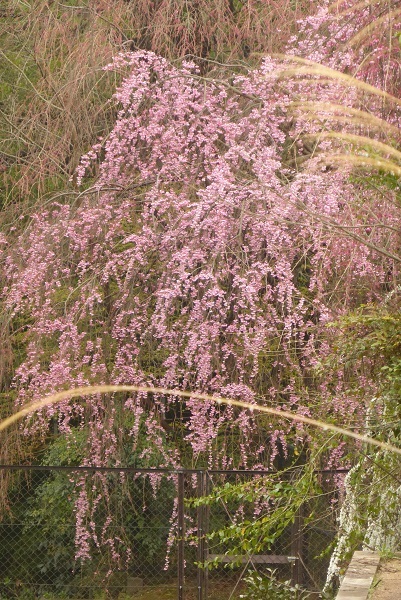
387,581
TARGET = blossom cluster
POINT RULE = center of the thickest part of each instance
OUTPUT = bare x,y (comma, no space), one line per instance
202,258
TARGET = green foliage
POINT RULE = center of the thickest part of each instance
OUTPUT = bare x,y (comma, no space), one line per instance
248,534
38,538
369,339
66,450
49,527
268,587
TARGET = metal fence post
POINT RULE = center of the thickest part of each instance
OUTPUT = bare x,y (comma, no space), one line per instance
181,532
201,538
202,527
206,521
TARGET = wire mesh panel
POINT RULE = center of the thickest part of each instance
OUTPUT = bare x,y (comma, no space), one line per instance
86,533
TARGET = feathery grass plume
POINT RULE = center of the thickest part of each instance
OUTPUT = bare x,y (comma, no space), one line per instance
342,113
365,144
321,116
303,67
377,24
59,397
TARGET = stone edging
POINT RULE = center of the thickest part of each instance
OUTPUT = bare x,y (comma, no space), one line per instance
359,576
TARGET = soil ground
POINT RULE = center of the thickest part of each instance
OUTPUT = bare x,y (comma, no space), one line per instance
387,584
169,592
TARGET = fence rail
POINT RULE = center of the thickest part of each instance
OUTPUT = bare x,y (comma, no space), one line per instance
91,533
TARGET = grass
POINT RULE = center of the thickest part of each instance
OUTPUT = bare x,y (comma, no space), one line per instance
218,590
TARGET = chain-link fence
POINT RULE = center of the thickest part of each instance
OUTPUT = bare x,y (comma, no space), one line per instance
71,533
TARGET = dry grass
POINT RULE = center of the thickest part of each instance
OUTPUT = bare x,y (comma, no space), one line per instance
359,138
54,94
220,591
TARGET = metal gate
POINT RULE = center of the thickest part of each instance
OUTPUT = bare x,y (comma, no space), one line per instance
91,533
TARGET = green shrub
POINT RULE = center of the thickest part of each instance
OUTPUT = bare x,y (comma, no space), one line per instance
268,587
